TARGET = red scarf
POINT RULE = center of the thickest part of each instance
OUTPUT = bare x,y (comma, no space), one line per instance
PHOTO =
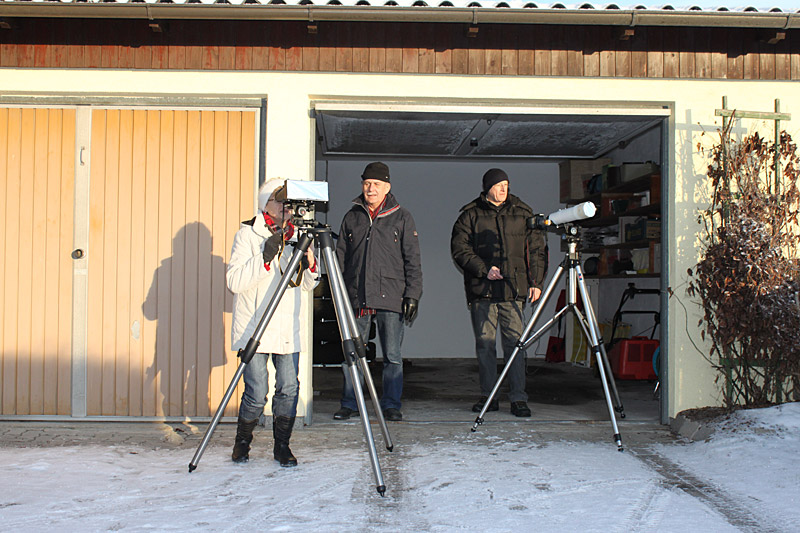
274,228
373,214
287,234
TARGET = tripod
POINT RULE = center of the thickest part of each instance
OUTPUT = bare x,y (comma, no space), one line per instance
575,283
352,346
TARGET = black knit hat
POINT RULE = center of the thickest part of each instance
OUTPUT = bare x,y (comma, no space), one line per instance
376,171
492,177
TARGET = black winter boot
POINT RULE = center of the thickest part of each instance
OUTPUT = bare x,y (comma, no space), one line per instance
244,436
282,431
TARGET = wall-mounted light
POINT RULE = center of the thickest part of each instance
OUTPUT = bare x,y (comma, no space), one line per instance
312,24
625,34
773,36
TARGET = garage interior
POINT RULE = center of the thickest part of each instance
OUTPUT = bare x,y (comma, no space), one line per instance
437,159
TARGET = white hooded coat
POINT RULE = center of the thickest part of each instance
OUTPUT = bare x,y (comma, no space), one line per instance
253,286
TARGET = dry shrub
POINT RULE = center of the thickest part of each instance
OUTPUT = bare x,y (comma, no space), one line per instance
747,277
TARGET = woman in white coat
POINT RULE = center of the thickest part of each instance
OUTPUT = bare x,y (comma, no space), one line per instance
260,254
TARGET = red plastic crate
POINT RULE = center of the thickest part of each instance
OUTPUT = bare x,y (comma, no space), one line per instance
633,358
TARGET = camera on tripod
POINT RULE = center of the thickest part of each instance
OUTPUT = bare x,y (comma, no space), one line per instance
304,198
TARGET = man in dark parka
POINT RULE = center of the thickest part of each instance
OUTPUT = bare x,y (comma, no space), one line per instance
504,264
378,251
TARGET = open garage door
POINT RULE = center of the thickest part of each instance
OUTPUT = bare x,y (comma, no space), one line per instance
437,154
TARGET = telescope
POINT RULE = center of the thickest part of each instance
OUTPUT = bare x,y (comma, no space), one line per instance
303,198
563,216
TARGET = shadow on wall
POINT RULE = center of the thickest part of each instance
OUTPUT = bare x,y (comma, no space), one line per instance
188,298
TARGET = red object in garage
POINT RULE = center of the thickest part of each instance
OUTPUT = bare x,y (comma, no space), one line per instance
633,358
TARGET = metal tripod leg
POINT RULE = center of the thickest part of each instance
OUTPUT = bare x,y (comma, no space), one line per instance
348,318
575,284
217,416
520,343
353,348
337,285
602,351
592,332
252,345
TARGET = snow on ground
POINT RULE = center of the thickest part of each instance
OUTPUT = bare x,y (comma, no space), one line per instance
755,455
462,483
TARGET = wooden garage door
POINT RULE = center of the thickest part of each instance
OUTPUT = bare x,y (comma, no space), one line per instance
36,223
168,190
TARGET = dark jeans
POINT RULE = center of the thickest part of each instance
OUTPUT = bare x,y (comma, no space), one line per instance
486,316
256,380
390,334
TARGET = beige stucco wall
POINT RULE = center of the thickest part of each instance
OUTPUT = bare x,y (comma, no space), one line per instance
290,145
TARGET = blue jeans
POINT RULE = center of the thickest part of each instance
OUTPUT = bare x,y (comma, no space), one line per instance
486,316
390,334
256,376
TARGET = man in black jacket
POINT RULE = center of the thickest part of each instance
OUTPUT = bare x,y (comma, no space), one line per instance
504,264
378,251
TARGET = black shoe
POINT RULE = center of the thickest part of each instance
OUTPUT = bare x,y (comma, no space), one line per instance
244,436
344,413
393,414
282,432
520,409
494,406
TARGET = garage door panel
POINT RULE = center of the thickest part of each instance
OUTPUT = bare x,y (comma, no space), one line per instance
36,170
38,300
178,271
25,333
112,246
63,182
176,243
96,251
139,280
124,320
191,257
11,154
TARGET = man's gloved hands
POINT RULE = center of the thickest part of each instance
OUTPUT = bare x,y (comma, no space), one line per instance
410,308
271,246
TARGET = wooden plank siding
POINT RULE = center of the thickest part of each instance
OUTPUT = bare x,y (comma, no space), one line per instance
169,188
498,49
36,193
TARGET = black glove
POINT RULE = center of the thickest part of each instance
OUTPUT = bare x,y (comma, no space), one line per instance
410,308
271,246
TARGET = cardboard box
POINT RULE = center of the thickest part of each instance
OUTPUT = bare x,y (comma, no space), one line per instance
573,173
655,257
631,171
655,189
643,230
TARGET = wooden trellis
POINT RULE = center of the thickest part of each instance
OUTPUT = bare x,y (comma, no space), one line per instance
776,116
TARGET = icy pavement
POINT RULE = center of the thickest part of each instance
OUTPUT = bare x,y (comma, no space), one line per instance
440,477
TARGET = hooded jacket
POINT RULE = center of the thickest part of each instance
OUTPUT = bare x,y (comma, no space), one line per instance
253,285
486,235
380,258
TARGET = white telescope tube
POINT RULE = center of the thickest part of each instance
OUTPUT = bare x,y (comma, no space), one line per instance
571,214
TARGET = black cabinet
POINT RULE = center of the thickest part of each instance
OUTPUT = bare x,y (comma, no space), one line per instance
326,338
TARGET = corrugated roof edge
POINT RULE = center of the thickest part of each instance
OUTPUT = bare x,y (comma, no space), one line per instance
462,11
513,4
